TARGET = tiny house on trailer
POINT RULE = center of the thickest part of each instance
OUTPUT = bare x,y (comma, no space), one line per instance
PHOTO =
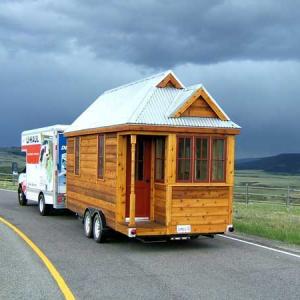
152,158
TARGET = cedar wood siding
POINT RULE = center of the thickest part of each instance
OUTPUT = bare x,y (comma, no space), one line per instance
208,207
86,190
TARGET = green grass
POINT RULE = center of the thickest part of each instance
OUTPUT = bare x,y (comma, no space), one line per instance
9,155
274,222
264,179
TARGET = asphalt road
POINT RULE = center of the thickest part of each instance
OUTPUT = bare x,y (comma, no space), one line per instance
125,269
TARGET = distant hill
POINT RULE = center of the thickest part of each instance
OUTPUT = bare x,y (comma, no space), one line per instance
282,163
9,155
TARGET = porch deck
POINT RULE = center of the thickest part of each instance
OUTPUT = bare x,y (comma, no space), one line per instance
144,228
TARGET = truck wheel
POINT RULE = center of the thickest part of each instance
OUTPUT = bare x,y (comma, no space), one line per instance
98,229
43,208
21,197
88,224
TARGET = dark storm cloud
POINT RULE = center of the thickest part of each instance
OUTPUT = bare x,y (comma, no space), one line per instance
56,57
157,33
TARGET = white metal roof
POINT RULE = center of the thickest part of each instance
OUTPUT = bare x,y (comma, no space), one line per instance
58,127
141,102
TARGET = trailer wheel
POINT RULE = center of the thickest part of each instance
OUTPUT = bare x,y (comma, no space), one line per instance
21,197
98,229
43,207
88,224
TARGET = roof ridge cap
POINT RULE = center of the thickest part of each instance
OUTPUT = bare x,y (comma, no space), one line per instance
135,82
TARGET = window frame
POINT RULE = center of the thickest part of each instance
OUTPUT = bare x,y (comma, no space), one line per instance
77,141
98,156
191,158
210,138
163,159
224,159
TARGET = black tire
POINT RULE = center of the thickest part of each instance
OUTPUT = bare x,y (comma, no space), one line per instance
88,224
21,197
43,207
99,229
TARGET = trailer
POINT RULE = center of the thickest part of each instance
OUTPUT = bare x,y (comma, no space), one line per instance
152,158
44,178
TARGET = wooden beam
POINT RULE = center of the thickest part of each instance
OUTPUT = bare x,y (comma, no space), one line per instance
230,174
132,182
170,172
153,129
121,178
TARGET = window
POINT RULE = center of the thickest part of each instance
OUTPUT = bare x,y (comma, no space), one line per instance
100,156
77,155
159,159
201,159
184,158
218,160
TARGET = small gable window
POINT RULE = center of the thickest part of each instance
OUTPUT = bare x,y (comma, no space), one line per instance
159,159
101,153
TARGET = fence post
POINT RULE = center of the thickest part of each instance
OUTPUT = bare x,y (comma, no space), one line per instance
247,194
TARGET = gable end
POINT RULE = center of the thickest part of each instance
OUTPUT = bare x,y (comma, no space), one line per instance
170,81
200,104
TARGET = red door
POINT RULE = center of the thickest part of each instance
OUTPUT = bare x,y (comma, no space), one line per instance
142,176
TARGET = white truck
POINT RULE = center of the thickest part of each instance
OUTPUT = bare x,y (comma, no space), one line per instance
44,178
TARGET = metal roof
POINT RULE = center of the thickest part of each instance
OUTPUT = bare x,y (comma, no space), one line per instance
141,102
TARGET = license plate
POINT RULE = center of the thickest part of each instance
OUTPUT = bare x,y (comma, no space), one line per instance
183,228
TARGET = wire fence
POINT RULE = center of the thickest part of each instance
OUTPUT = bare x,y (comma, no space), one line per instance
247,193
8,181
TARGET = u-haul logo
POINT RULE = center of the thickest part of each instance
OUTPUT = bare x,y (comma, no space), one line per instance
32,139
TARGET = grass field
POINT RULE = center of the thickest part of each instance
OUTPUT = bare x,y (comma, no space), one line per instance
273,221
9,155
270,221
264,179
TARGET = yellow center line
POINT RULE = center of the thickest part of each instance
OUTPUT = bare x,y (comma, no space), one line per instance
53,271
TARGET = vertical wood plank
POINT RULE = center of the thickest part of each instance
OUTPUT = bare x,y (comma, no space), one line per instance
152,178
132,182
121,179
230,174
171,174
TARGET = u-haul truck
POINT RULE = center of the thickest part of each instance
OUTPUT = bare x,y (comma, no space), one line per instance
44,179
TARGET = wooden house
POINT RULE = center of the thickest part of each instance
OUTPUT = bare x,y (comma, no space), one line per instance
152,158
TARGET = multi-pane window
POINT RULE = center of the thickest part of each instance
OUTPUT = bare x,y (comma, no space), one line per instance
159,159
200,159
184,158
218,159
100,156
77,155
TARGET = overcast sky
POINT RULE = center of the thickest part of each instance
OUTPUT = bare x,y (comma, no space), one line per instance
56,57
